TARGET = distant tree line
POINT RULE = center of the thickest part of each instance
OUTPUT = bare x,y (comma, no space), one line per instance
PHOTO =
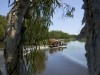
2,27
60,35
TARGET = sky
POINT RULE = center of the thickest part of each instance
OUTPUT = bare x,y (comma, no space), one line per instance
69,25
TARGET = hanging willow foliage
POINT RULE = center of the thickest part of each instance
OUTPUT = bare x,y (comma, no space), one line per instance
37,20
38,17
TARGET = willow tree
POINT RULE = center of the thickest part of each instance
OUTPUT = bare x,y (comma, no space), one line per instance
37,31
15,28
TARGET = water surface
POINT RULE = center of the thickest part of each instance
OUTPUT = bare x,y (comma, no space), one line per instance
67,61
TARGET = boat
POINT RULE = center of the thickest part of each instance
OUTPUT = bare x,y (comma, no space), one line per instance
60,46
56,43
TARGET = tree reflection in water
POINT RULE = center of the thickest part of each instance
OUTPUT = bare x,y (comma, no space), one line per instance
35,60
52,50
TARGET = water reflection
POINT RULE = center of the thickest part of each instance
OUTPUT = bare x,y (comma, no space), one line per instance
36,61
39,62
59,61
51,51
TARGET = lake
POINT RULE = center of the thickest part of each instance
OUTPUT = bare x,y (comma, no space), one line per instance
67,61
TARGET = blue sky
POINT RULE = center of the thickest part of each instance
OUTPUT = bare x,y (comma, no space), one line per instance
70,25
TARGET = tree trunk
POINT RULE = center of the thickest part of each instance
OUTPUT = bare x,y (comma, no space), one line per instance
92,23
13,52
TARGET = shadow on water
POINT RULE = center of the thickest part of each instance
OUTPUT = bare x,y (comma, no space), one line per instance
59,61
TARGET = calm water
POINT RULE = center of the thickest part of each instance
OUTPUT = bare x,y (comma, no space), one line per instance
67,61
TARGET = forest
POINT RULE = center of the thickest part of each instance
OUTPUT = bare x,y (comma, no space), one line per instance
60,34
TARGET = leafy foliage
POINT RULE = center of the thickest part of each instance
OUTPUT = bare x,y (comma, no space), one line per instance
58,34
38,18
37,32
2,26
